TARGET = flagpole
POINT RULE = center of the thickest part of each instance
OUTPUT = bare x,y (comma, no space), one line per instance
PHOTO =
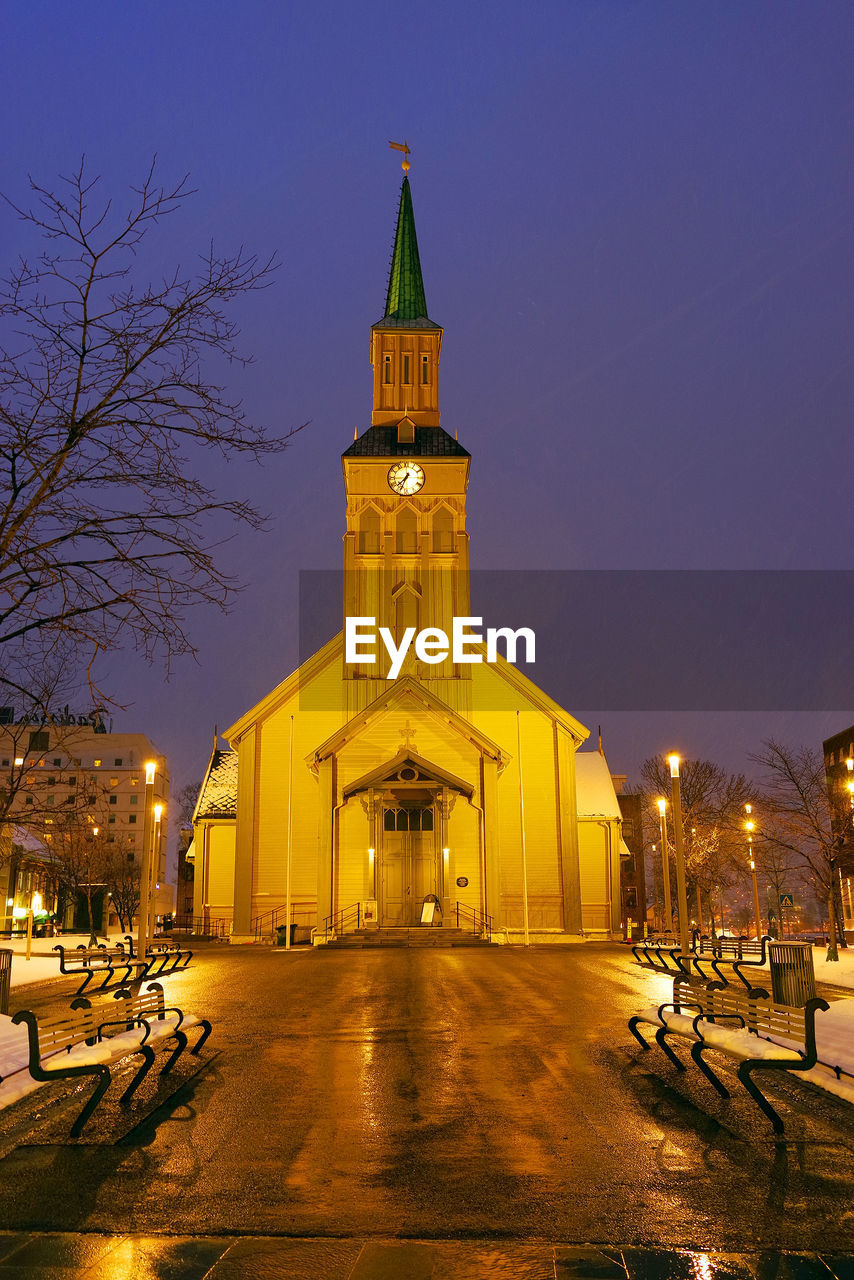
290,833
522,821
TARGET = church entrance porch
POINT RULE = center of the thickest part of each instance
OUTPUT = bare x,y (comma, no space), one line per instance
409,867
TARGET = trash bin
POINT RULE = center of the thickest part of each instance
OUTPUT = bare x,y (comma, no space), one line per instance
792,973
282,935
5,978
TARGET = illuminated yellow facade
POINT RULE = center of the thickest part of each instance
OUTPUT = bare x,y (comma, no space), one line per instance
343,787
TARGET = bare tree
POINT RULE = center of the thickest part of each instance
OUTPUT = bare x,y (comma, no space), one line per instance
81,853
800,821
123,879
712,811
184,803
108,402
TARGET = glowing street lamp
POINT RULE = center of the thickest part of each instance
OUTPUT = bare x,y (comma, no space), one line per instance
152,819
749,827
676,804
665,863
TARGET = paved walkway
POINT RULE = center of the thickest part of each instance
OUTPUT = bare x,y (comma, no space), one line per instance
459,1108
153,1258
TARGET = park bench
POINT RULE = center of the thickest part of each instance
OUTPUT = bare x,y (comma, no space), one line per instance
92,962
765,1036
167,959
163,957
661,954
87,1040
737,953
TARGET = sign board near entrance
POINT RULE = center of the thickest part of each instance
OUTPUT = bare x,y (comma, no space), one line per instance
462,882
428,910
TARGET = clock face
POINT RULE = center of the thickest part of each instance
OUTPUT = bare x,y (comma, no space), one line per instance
406,478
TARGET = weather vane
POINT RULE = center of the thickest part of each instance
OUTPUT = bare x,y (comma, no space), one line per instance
404,147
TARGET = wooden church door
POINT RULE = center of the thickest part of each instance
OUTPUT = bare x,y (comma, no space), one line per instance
408,870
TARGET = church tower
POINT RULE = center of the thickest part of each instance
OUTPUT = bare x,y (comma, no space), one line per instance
406,560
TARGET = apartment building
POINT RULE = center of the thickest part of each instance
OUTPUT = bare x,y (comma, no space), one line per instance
79,775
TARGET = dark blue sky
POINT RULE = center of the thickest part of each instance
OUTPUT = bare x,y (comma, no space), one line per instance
636,225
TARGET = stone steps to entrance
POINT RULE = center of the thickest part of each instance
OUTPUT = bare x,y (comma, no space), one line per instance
409,937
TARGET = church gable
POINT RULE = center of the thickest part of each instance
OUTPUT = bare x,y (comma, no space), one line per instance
408,770
406,728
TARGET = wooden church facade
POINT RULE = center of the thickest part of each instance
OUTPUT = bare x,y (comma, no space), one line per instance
462,783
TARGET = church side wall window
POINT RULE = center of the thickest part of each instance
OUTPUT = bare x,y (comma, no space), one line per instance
387,374
369,533
406,530
443,531
407,375
425,369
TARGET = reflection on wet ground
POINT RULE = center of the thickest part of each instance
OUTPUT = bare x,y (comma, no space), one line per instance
49,1257
455,1107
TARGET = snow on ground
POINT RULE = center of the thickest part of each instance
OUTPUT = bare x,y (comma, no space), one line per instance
840,973
44,961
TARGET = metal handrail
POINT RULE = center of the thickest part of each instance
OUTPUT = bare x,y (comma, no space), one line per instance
203,926
259,926
335,922
482,924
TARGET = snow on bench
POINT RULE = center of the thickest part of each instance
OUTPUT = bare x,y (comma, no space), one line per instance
816,1041
87,1040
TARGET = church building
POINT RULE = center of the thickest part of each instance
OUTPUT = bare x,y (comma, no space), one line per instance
348,800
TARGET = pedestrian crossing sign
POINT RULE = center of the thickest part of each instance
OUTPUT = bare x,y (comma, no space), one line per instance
787,900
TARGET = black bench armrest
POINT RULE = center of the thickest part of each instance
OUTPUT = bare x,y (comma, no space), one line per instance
715,1018
136,1019
684,1004
171,1009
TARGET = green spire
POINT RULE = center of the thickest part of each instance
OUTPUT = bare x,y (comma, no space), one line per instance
405,299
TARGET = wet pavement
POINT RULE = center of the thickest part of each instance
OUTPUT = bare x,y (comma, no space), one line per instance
61,1257
408,1113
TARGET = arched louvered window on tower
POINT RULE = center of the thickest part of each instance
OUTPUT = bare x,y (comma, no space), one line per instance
443,531
406,530
407,614
369,532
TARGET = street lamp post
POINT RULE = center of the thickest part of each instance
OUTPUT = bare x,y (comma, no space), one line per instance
93,937
749,826
665,863
145,871
681,892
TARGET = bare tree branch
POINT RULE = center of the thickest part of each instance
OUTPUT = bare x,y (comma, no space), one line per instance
108,403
